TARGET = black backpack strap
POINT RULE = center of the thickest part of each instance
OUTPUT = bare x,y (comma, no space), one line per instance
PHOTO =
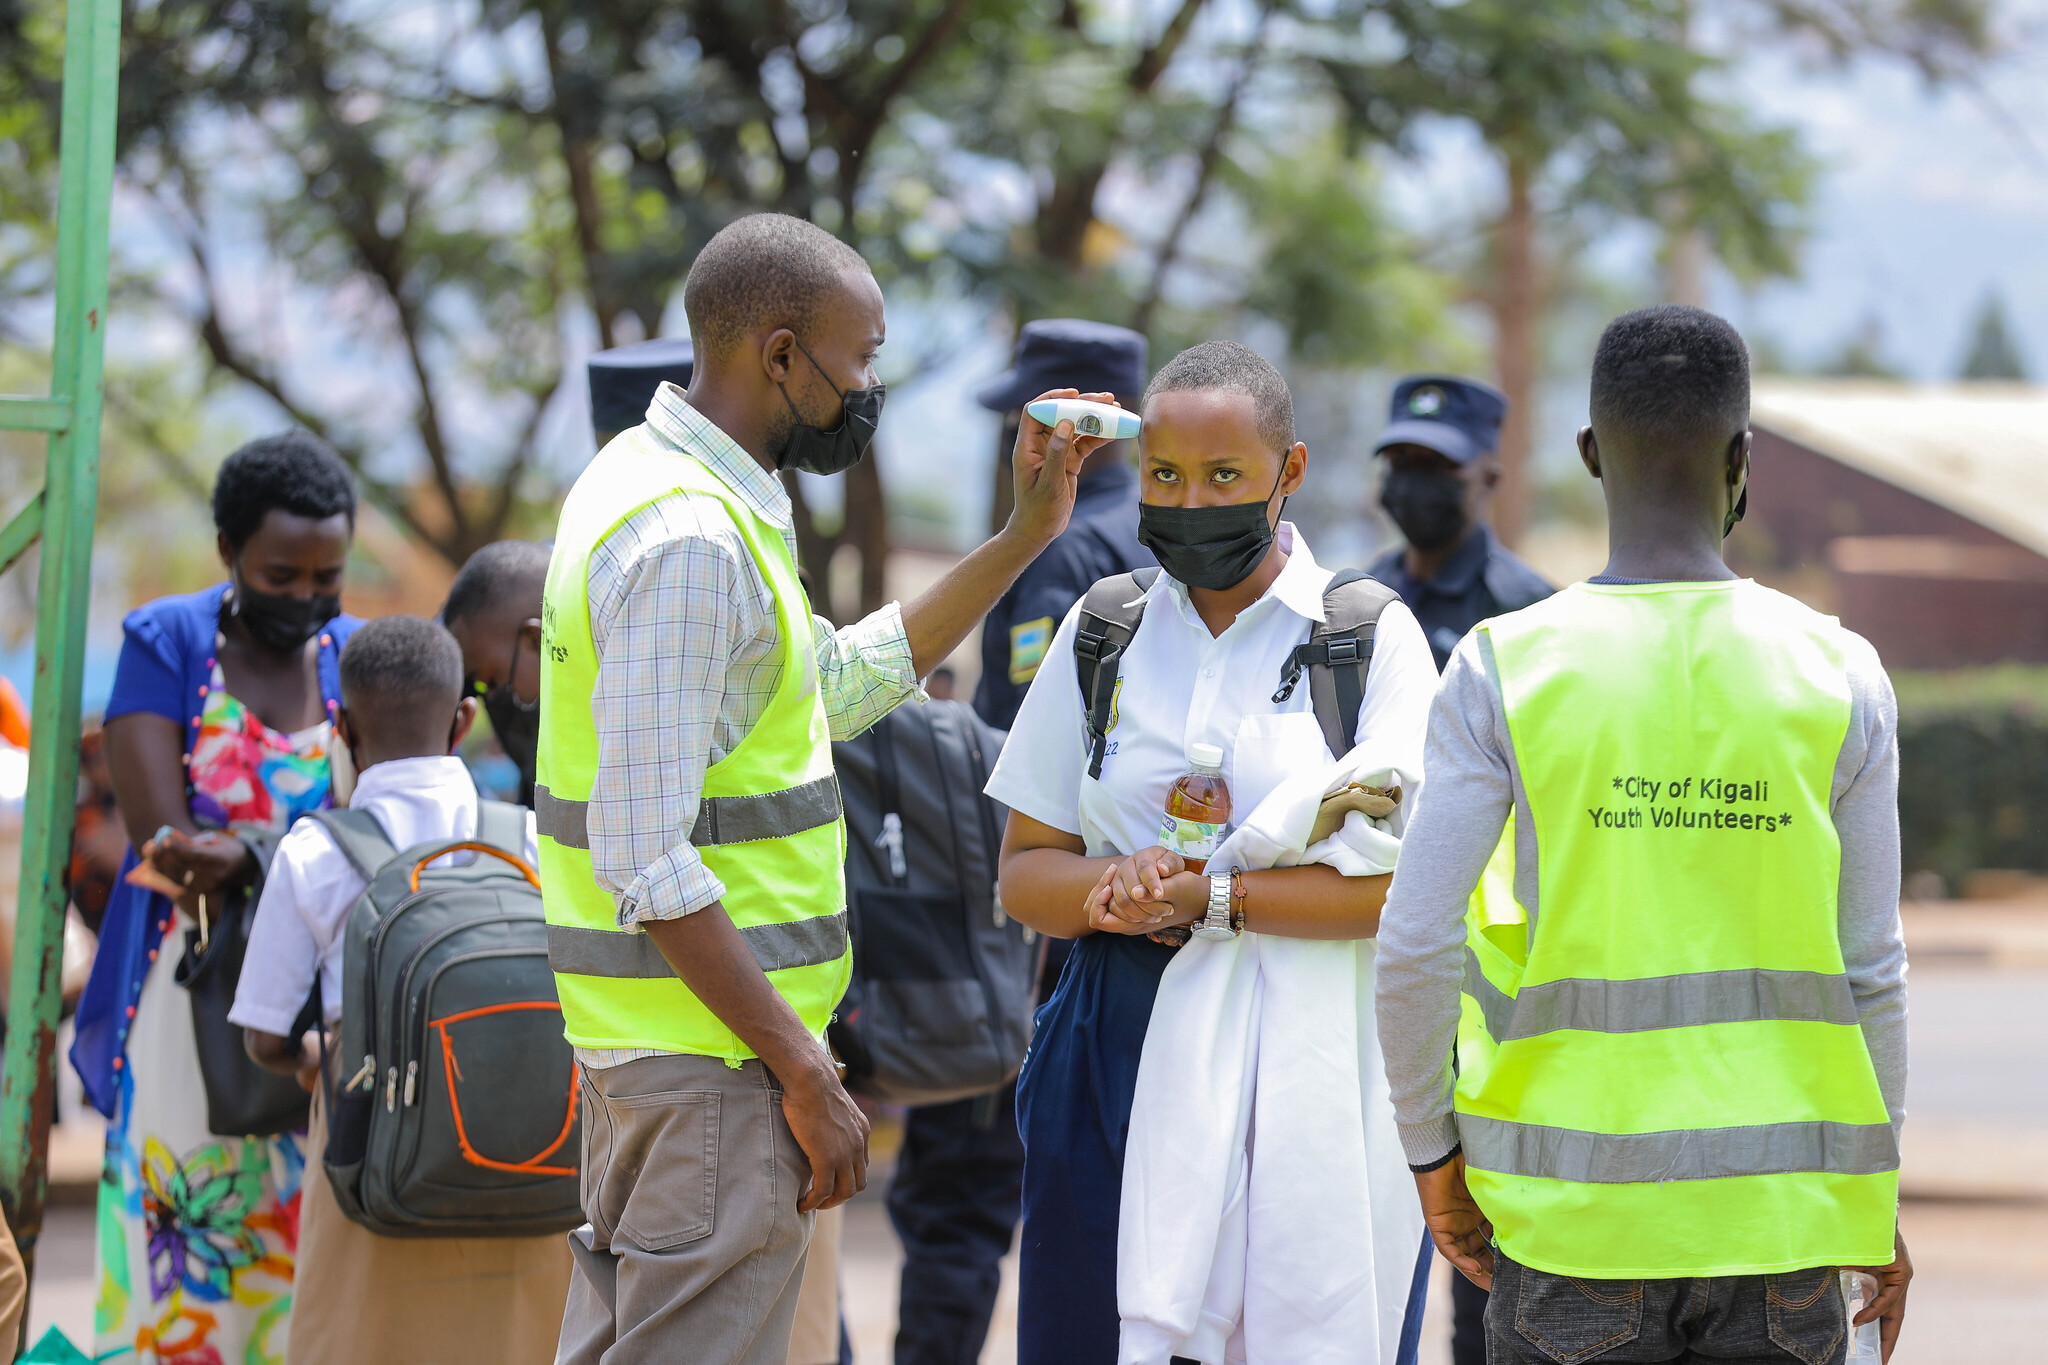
502,825
1338,654
1110,616
360,838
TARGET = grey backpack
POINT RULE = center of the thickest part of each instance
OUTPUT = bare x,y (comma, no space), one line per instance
452,1105
1337,654
939,1007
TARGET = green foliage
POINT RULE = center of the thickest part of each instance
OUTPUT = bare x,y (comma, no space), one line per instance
1994,351
1973,769
1335,274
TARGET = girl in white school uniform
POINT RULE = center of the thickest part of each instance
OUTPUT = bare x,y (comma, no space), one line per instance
1305,1243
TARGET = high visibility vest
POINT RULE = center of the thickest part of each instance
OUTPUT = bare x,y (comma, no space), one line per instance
1677,1083
769,823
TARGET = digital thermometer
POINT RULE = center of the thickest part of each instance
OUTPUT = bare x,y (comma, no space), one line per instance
1089,419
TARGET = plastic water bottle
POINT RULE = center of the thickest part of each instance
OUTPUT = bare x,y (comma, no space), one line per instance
1859,1287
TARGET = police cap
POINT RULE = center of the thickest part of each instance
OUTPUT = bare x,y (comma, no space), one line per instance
1069,353
623,380
1457,418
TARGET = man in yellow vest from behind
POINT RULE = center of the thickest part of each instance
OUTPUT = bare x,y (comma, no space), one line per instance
1682,1117
690,835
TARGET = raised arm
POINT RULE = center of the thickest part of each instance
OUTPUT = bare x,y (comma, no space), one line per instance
1047,463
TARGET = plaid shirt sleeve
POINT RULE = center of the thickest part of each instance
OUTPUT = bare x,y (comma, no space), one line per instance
864,670
669,595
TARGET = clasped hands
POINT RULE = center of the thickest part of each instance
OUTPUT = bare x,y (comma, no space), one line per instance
1150,890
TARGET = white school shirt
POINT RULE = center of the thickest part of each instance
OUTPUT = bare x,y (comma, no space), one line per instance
1178,685
311,886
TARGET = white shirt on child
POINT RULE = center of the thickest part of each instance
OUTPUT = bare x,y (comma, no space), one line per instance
311,886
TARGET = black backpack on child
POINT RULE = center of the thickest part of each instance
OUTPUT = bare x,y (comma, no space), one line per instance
455,1109
940,1003
1337,654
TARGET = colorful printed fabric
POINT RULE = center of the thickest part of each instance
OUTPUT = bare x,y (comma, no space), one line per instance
198,1233
250,778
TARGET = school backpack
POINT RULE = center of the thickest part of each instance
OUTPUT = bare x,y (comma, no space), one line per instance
940,1003
1337,654
452,1105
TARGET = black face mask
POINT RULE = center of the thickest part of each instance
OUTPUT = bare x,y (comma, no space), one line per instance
280,622
516,723
1209,547
817,451
1427,504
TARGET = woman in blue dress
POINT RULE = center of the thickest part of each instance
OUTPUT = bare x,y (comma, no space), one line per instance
217,739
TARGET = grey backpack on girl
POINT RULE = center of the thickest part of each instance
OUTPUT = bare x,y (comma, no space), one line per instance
452,1102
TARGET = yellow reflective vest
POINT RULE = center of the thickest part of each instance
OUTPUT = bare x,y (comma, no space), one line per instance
769,823
1672,1081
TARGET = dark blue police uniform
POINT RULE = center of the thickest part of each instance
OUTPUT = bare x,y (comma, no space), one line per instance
1482,578
1100,540
958,1188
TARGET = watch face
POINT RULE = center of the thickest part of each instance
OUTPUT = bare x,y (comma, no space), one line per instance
1212,931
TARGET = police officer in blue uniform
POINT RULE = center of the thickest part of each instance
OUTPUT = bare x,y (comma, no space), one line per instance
1102,537
958,1188
1440,448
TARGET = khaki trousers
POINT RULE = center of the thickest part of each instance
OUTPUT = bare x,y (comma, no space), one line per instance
416,1300
815,1339
694,1251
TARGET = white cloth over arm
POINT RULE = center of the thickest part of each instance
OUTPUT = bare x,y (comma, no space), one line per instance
1268,1216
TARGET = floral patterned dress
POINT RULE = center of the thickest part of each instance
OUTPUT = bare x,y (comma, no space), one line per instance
197,1232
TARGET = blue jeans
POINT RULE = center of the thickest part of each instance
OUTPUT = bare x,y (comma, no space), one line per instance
1535,1317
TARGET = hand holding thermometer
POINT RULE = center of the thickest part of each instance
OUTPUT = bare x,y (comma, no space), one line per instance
1105,420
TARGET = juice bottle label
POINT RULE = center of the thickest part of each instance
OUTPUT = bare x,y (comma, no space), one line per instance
1194,840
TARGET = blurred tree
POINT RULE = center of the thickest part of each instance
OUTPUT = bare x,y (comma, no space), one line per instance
1863,355
1589,105
1994,352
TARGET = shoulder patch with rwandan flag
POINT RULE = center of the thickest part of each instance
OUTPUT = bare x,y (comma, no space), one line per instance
1028,644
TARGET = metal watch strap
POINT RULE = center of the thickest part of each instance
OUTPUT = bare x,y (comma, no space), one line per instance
1215,923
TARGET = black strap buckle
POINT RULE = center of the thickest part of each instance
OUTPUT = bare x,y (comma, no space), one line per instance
1342,649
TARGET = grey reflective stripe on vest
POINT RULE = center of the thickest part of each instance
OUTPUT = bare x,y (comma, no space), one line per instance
1529,1149
1496,1006
624,954
720,819
771,815
1640,1004
566,822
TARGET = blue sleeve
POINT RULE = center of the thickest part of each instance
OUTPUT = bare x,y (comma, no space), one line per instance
150,675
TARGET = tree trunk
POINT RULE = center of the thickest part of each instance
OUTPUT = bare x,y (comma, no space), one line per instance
866,528
1517,304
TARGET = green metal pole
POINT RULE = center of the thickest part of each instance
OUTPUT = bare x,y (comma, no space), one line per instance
92,54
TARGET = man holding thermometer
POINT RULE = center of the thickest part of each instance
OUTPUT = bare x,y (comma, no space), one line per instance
690,834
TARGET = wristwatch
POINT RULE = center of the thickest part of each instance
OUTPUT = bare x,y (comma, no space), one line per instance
1218,921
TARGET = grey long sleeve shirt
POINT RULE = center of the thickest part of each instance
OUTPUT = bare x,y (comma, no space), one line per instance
1473,779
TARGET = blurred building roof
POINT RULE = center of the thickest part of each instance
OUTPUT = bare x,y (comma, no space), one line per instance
1979,450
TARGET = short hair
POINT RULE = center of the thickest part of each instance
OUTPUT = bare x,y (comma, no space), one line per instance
492,578
293,471
1670,374
402,668
1231,368
766,269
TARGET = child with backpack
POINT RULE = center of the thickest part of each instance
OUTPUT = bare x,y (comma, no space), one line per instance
357,1295
1306,693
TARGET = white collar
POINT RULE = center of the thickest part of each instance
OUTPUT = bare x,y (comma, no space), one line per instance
410,775
1299,588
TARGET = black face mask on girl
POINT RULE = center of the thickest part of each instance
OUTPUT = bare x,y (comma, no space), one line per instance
1210,547
278,621
1427,504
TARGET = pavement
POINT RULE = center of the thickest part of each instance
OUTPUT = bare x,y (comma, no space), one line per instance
1975,1174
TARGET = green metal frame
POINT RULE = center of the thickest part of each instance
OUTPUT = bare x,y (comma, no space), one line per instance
62,516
